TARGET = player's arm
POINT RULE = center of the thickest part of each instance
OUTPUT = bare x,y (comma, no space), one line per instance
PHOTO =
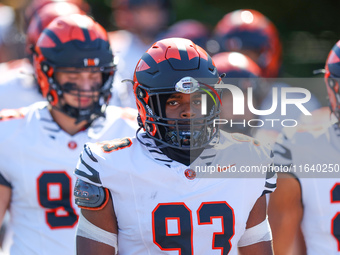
5,198
285,213
257,237
97,226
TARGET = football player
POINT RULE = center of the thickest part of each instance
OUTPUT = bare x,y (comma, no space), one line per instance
150,190
308,193
191,29
17,77
241,71
139,24
40,144
35,6
253,34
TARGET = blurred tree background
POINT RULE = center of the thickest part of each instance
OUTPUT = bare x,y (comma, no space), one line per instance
308,28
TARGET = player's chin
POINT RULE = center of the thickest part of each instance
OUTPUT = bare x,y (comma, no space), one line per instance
83,102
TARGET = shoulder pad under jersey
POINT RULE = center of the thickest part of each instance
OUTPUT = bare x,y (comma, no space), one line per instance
89,196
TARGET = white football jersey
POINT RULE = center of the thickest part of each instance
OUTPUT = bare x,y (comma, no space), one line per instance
314,156
37,160
162,208
18,87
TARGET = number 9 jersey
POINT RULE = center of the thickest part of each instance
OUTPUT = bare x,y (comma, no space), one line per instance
37,160
165,207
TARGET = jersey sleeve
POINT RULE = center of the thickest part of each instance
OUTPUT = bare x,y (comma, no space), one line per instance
270,183
88,166
4,182
13,129
282,151
260,162
271,176
283,155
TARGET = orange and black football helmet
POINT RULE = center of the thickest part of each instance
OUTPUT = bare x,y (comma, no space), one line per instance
332,79
240,70
249,30
74,41
170,66
236,65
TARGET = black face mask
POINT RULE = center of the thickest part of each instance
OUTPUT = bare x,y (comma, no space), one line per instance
89,113
94,111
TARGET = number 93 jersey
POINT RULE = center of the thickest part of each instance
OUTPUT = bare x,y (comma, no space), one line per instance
165,207
37,161
313,158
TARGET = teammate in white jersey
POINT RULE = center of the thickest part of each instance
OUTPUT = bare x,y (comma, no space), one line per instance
40,144
154,190
140,23
17,76
308,193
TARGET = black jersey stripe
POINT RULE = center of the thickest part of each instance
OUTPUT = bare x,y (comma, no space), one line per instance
270,185
95,175
4,182
156,151
266,192
164,160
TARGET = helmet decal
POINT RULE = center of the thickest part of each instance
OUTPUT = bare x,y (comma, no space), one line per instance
187,85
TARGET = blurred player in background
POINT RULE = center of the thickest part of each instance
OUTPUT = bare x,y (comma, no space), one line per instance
148,188
191,29
35,5
17,79
309,194
40,144
140,23
241,71
251,33
10,38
